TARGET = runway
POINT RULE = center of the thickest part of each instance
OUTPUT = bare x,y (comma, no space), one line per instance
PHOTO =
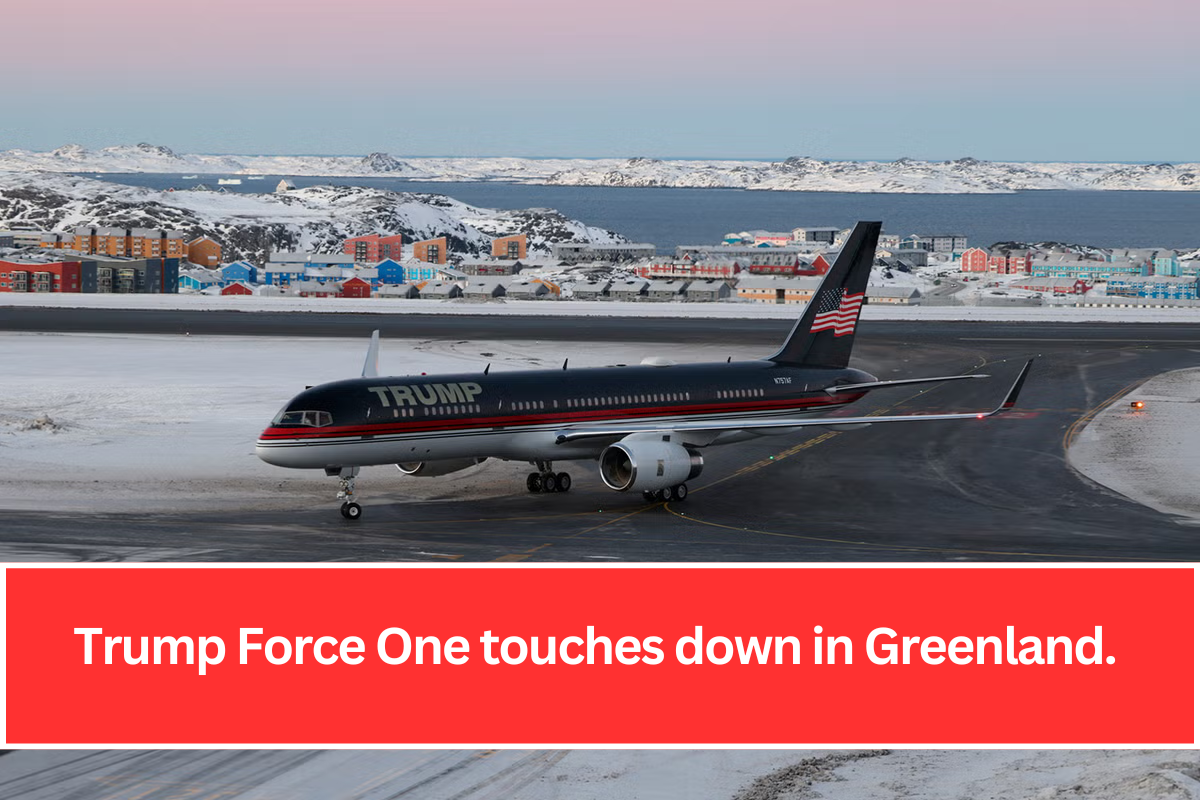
998,489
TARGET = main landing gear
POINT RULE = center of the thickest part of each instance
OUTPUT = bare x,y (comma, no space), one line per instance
677,493
350,509
547,480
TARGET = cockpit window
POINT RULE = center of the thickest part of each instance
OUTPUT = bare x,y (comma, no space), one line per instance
310,419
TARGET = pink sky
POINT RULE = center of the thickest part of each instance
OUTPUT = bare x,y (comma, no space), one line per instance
633,42
541,77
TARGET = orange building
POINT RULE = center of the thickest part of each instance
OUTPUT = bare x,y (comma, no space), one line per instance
974,260
510,247
204,251
373,248
432,251
154,243
131,242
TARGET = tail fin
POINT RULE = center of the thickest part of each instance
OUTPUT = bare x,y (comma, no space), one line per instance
371,364
824,335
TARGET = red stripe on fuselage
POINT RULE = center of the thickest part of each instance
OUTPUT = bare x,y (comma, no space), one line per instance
559,416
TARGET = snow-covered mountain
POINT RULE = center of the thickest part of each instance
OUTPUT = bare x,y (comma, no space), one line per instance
315,219
906,175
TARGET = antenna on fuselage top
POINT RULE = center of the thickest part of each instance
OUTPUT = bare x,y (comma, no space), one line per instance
565,360
729,360
485,369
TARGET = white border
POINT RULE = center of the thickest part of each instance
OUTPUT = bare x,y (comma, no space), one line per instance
605,746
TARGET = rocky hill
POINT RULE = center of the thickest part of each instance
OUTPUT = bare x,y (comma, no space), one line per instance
905,175
315,219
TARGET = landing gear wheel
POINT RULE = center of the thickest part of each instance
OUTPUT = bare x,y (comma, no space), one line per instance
679,493
664,494
550,482
564,482
534,482
351,511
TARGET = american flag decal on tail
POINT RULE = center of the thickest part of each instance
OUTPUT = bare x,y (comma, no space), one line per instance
837,311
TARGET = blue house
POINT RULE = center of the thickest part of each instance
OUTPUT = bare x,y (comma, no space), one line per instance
391,272
1154,286
416,270
242,271
283,268
282,275
1165,263
199,279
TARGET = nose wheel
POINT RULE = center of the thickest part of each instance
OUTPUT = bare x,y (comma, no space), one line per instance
346,475
547,480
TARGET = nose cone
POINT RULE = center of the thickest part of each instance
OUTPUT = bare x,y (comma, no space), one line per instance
270,449
267,454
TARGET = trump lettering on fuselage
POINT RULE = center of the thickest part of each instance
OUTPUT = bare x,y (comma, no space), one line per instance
426,394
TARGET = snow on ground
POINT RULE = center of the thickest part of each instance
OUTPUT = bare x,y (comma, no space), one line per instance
1151,456
594,308
605,774
1014,775
109,423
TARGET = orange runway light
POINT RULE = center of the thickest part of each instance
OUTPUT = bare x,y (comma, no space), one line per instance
1137,405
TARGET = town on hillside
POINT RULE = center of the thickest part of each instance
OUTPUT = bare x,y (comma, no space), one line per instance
748,266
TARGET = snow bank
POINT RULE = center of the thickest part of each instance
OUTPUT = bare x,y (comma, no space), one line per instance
1151,456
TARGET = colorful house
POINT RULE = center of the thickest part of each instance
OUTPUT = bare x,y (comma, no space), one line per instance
432,251
199,279
373,248
236,289
242,271
512,248
390,271
354,287
974,260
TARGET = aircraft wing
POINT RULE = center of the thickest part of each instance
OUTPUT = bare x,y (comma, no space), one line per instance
602,431
866,387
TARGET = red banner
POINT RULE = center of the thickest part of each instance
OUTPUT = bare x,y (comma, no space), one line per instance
621,656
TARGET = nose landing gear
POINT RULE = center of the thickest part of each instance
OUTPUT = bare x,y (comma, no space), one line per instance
350,509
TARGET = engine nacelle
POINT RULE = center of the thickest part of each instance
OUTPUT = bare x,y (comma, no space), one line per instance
645,462
432,469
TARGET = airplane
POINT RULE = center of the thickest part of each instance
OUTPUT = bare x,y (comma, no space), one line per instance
645,425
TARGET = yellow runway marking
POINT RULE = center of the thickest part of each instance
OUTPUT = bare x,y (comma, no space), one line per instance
641,510
523,555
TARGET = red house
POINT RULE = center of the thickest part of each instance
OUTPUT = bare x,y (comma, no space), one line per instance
975,260
819,266
354,287
236,289
1013,262
58,276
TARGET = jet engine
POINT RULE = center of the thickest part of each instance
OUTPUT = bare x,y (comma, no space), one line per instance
647,462
432,469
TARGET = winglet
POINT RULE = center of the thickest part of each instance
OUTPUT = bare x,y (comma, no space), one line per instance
1011,399
371,365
